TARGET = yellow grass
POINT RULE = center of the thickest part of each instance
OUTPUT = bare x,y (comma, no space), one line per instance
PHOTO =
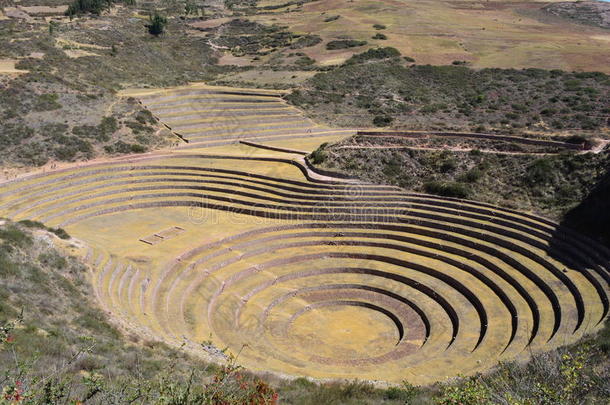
486,33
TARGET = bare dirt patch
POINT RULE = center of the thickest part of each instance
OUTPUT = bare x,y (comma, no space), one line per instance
7,66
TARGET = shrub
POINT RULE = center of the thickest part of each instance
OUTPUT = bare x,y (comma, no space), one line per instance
304,61
587,141
47,102
109,125
379,26
32,224
374,54
432,108
14,236
447,189
471,392
380,36
382,120
344,43
318,156
144,117
157,24
539,173
71,146
473,175
60,232
306,41
332,18
124,147
406,392
448,166
79,7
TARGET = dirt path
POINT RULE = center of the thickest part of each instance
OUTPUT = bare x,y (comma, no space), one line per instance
453,149
603,143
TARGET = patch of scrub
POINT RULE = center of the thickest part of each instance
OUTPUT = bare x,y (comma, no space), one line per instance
69,44
45,10
78,53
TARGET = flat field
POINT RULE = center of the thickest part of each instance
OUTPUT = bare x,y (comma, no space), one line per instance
508,34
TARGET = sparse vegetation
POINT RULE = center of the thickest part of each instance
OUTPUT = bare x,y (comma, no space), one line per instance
456,97
244,37
549,186
344,43
332,18
374,54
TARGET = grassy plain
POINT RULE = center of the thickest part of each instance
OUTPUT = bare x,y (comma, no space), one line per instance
484,33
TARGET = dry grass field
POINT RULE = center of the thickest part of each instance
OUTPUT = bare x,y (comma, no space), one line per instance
508,34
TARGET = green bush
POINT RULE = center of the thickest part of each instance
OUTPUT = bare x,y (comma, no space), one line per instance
60,232
32,224
374,54
344,44
406,392
109,125
447,189
124,147
47,102
318,156
145,117
14,236
471,392
79,7
540,172
157,24
448,166
473,175
382,120
304,61
306,41
380,36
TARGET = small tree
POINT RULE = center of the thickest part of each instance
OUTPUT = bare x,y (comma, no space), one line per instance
157,24
190,8
52,26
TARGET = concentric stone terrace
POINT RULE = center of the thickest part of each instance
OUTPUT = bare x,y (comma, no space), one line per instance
306,275
206,116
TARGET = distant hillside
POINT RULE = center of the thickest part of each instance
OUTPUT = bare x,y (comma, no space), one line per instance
367,91
596,13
